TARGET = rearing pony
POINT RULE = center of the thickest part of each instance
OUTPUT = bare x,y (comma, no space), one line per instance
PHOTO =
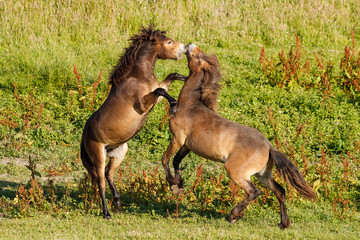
134,92
243,150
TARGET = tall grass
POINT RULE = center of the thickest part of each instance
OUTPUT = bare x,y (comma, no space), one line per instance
41,39
112,21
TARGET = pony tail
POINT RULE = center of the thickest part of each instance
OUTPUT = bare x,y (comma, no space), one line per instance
290,174
86,161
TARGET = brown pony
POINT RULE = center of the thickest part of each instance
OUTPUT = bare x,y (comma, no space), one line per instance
134,92
244,150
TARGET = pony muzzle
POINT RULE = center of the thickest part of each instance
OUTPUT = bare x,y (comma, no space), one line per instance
181,50
189,47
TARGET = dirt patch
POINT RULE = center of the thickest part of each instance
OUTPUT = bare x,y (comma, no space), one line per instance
18,172
15,161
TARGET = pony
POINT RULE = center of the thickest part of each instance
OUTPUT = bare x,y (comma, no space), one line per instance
134,92
243,150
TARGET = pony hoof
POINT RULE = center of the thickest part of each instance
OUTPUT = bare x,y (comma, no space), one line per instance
107,217
173,76
182,78
175,189
117,210
177,76
232,219
173,110
283,226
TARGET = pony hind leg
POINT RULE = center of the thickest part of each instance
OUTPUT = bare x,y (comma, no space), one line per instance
176,162
239,173
267,179
87,163
170,151
116,155
252,192
97,155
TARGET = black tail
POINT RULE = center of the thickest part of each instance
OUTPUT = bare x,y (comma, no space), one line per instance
290,174
86,161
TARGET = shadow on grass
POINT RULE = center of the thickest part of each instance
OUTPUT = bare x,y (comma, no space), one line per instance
167,209
8,189
72,197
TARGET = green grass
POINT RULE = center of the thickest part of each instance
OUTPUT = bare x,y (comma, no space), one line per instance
257,224
41,40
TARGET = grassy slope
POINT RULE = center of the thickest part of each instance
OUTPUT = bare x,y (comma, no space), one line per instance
39,42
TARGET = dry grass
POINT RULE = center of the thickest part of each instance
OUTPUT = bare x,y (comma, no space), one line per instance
109,21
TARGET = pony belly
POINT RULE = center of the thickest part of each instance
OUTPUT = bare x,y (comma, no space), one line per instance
208,151
121,129
213,157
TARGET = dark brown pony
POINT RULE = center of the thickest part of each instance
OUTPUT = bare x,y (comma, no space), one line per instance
244,150
134,91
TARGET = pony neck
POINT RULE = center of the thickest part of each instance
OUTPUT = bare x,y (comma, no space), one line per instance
138,62
145,62
191,90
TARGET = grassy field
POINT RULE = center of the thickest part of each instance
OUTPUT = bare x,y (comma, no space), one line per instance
142,225
304,99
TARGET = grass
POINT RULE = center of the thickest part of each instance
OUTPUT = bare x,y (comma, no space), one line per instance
43,111
135,224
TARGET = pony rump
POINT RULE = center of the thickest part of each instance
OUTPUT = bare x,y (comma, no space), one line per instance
126,61
210,83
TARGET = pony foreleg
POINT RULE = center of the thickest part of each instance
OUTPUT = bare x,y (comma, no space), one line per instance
96,152
176,162
170,78
171,100
171,150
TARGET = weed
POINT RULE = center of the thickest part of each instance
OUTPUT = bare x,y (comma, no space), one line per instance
32,168
350,70
326,77
288,70
87,99
341,203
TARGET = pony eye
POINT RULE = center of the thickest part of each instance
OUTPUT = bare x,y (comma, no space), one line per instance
169,42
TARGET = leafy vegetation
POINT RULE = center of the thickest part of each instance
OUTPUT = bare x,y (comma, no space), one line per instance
290,69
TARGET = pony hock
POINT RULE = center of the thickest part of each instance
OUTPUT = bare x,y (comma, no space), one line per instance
243,150
134,92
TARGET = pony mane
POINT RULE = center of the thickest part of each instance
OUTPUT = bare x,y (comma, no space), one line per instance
127,60
209,89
